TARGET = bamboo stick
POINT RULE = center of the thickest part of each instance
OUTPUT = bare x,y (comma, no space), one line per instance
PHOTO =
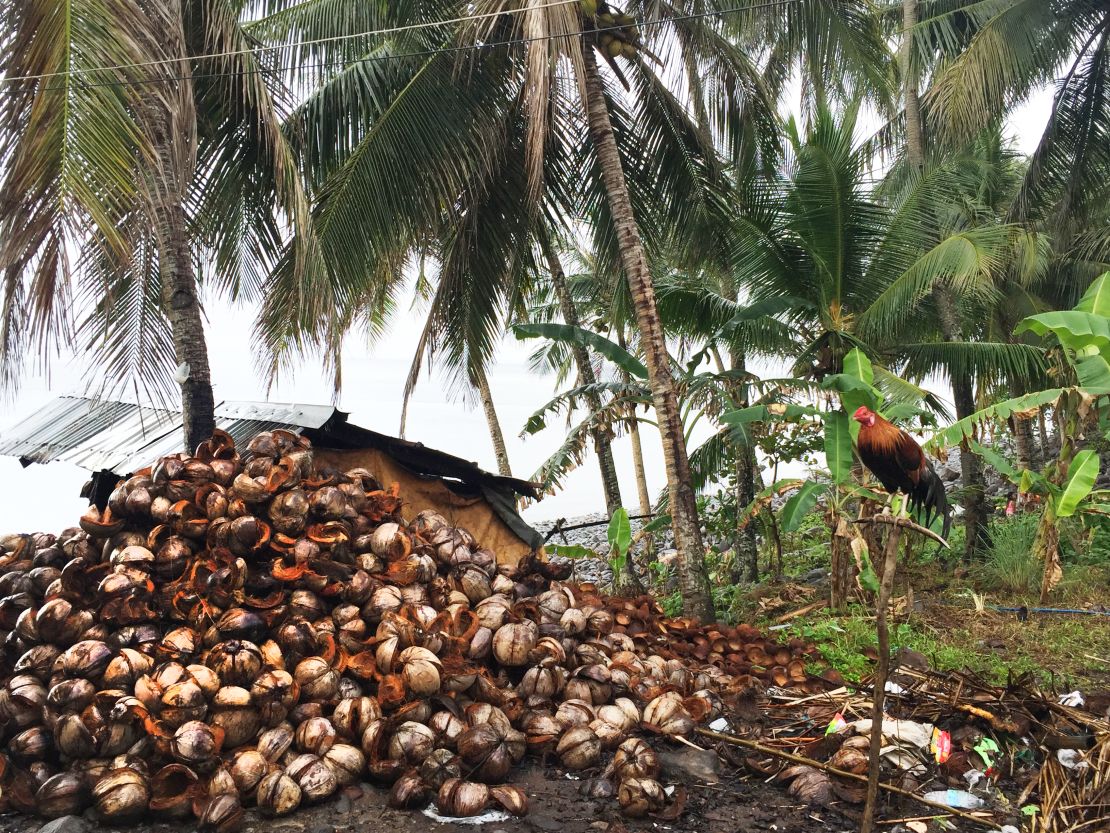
903,523
878,693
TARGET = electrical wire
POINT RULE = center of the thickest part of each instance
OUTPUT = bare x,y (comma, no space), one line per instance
162,79
394,30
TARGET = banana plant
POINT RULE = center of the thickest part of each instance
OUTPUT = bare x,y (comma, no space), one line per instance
620,539
858,384
1080,408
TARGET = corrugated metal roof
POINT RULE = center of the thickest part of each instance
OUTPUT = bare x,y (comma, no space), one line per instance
120,437
305,416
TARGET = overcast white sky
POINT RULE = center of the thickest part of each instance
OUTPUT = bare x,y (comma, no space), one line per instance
46,497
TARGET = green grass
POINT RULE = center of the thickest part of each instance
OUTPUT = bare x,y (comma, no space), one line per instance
1061,651
843,639
1011,565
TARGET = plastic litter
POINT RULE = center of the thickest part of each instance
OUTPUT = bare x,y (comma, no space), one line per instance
484,818
1073,699
719,725
960,799
892,687
905,731
940,745
973,777
903,759
987,749
1071,759
837,724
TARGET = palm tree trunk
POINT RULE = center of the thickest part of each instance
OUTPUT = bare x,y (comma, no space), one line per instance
963,391
172,127
693,579
586,376
641,481
179,291
495,433
1022,428
630,581
915,133
745,543
971,467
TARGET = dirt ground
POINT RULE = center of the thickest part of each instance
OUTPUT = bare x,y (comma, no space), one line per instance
738,803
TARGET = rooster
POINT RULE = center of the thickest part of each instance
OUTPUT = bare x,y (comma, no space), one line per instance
895,458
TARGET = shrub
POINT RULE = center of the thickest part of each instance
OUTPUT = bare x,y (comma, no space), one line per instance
1010,564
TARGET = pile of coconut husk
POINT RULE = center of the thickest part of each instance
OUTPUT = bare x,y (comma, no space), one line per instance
243,628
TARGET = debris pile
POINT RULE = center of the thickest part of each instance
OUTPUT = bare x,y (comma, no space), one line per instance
985,754
236,630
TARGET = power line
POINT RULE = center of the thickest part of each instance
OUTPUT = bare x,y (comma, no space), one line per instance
379,58
394,30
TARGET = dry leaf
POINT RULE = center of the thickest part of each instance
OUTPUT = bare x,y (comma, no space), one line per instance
676,807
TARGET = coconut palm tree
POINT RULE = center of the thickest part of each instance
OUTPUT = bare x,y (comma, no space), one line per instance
980,59
988,56
865,263
128,162
615,147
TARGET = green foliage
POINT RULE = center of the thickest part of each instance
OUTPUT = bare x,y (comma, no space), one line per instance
838,447
1010,565
1086,540
800,504
957,431
868,579
586,338
657,523
1074,329
619,534
858,365
572,551
1079,481
1096,300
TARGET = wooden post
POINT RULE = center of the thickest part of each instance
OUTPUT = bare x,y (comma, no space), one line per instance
878,695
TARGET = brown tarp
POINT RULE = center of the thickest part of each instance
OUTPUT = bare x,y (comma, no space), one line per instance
419,493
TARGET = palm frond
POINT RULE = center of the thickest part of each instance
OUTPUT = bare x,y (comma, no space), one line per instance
989,362
69,145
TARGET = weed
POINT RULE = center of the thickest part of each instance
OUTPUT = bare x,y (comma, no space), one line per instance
672,604
1011,565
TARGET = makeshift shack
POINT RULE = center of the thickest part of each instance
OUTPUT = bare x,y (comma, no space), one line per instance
113,439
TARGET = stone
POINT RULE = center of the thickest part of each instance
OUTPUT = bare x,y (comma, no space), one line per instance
909,658
66,824
701,766
816,576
